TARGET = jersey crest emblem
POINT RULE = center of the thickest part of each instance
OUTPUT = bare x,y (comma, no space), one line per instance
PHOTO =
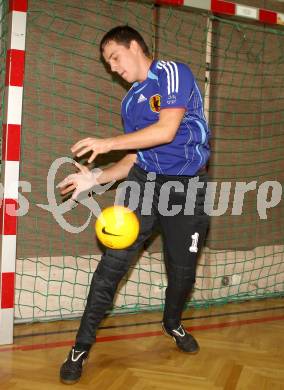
155,103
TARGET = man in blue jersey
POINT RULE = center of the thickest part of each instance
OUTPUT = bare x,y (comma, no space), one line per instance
166,135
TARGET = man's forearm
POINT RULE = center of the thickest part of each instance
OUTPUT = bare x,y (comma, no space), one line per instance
117,171
144,138
159,133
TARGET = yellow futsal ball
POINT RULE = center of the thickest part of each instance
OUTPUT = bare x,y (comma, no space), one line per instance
117,227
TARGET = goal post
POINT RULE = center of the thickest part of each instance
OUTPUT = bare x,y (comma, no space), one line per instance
16,14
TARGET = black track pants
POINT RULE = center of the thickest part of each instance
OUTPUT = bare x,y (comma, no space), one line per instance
165,201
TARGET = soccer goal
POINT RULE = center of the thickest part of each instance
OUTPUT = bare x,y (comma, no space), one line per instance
55,91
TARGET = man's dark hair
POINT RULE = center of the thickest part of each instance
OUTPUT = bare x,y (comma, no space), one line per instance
123,35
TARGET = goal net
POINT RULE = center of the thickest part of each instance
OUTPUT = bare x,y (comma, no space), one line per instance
69,95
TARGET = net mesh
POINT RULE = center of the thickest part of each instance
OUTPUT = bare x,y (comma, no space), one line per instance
69,95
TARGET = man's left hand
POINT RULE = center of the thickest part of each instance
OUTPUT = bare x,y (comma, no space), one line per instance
96,145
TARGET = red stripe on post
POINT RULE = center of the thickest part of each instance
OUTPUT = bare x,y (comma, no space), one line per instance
8,222
8,290
266,16
223,7
169,2
11,142
18,5
15,67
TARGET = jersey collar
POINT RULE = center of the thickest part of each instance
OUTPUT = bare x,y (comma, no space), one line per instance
151,75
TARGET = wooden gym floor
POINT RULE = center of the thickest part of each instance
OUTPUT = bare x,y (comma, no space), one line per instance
242,347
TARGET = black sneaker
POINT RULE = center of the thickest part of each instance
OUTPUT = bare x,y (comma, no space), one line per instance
71,369
184,341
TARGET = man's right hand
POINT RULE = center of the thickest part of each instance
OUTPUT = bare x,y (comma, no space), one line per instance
82,181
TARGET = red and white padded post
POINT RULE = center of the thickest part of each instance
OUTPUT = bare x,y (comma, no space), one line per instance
11,136
230,8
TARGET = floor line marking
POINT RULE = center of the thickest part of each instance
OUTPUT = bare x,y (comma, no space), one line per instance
141,335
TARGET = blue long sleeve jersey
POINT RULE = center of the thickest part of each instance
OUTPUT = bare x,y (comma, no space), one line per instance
169,85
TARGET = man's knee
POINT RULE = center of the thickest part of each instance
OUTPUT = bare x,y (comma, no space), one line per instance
181,278
113,266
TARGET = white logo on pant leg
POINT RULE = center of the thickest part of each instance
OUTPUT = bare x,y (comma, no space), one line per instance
193,247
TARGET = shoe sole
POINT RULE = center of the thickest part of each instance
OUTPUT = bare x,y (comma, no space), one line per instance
69,382
180,349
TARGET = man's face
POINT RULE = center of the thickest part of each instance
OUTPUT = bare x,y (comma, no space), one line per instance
122,60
